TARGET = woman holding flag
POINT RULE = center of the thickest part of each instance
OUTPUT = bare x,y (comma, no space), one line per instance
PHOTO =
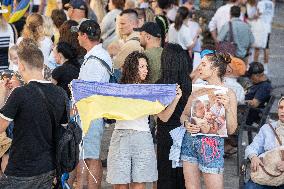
132,158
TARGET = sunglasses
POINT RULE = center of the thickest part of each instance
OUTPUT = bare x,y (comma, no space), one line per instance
206,52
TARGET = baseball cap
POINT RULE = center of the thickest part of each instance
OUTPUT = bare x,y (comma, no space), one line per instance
88,26
77,4
151,28
255,68
237,66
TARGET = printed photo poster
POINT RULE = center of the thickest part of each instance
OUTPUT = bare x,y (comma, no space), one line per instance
206,112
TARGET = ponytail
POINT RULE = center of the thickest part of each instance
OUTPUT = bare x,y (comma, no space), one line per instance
182,14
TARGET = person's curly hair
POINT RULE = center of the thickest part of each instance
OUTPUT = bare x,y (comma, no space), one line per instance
130,68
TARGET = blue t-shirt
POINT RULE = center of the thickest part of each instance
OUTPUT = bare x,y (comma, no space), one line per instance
260,91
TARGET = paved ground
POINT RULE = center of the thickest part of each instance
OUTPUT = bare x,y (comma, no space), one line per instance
276,75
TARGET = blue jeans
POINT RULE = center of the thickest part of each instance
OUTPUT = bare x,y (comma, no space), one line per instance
205,151
251,185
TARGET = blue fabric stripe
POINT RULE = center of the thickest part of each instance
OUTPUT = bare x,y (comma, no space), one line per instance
22,5
164,93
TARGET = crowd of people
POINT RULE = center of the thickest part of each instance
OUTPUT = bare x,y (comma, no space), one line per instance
140,42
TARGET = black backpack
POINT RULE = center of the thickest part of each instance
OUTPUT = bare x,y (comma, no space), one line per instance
66,139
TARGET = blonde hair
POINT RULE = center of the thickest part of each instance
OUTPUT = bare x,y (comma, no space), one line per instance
33,27
29,52
48,26
3,23
13,48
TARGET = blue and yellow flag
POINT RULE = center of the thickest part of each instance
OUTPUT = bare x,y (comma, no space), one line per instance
20,11
7,5
14,15
119,101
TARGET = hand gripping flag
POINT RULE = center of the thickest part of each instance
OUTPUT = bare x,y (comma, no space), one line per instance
119,101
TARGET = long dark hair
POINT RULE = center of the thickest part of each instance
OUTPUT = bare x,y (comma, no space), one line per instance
131,67
70,37
68,52
182,14
175,69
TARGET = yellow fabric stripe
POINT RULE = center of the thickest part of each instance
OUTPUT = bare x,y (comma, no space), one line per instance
118,108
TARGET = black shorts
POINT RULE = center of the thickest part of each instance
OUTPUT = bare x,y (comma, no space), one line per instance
267,43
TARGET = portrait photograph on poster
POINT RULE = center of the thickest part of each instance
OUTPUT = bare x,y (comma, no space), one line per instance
206,112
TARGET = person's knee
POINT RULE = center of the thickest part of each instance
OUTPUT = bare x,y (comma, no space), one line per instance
121,186
138,185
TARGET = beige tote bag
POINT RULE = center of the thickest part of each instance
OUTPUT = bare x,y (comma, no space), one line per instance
269,174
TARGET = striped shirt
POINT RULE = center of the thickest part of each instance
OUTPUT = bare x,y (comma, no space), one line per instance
6,39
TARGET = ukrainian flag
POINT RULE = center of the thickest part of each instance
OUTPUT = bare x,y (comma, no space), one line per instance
14,15
119,101
7,5
20,11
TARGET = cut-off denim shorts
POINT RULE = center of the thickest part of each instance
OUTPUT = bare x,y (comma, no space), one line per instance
206,151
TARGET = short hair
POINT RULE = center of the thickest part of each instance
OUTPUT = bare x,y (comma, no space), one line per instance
119,4
235,11
59,17
132,12
29,52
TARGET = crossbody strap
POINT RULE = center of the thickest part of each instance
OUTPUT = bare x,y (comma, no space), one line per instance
49,109
276,135
231,35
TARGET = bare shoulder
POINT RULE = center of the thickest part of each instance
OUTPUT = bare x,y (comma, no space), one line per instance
232,95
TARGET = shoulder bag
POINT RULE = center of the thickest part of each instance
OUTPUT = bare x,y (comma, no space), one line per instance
268,174
228,46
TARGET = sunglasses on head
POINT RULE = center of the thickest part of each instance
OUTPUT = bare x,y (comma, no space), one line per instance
206,52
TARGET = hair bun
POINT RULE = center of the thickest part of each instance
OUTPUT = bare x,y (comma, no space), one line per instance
225,57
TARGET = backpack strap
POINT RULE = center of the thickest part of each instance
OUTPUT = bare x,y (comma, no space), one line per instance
110,71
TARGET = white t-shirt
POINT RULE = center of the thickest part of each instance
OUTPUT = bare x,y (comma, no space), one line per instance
233,84
183,36
45,46
221,17
266,10
140,124
194,28
251,11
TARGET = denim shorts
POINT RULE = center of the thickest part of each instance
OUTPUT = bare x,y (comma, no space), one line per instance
206,151
92,140
131,157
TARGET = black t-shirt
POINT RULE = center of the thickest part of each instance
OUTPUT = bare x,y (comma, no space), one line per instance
260,91
32,150
65,74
